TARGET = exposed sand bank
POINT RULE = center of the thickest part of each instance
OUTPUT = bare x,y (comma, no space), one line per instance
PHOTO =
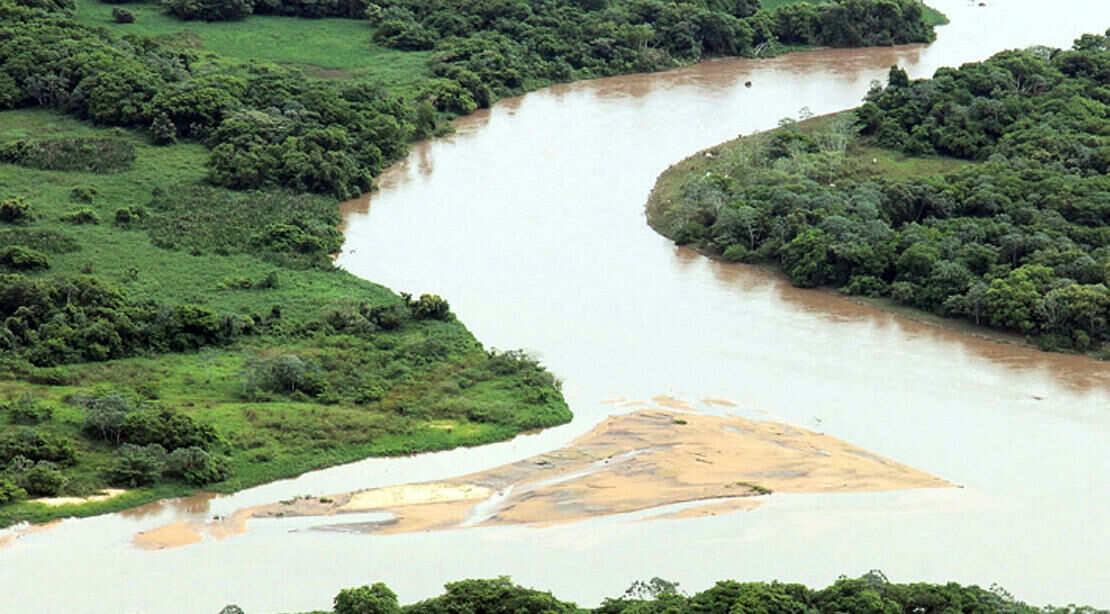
632,462
103,496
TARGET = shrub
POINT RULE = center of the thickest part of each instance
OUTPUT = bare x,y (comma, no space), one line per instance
81,216
15,211
137,465
127,215
162,130
43,480
71,154
27,410
104,415
82,194
287,373
10,491
428,307
196,466
23,258
169,429
37,446
123,16
211,10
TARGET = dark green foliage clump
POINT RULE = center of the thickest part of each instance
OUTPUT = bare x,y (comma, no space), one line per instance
1019,241
297,231
63,320
210,10
495,596
10,491
36,445
122,16
21,258
89,155
27,410
81,216
15,211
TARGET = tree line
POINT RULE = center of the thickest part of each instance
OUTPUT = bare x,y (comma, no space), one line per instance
871,593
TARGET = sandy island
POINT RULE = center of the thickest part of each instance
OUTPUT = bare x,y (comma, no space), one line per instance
637,461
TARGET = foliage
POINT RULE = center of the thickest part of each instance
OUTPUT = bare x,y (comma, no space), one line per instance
1018,241
287,374
36,445
43,479
122,15
138,465
27,409
81,216
495,596
15,211
210,10
20,258
86,155
376,599
9,491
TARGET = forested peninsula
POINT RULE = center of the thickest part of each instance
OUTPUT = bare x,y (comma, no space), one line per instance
871,593
982,193
170,317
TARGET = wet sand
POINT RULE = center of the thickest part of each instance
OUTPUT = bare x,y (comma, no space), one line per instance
628,463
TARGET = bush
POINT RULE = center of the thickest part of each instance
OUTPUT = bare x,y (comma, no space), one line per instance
166,428
196,466
15,211
43,480
428,307
285,374
105,415
82,194
210,10
81,216
137,465
22,258
90,155
10,491
162,130
37,446
123,16
27,410
127,215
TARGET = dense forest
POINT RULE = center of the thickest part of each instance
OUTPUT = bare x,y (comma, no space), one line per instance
980,193
872,593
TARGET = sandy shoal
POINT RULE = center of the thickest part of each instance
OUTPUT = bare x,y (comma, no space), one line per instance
628,463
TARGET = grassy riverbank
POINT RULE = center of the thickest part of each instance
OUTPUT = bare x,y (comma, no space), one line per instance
993,220
410,385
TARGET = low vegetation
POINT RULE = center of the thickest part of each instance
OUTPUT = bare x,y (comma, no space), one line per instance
981,193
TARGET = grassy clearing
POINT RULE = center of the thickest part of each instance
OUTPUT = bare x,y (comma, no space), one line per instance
326,48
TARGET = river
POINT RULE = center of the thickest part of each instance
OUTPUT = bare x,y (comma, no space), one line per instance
530,221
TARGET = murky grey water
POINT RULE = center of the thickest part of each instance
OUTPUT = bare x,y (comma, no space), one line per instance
530,221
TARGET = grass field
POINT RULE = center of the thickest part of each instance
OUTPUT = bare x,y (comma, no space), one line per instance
329,48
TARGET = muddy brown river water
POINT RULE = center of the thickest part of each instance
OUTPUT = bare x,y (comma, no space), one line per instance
530,221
